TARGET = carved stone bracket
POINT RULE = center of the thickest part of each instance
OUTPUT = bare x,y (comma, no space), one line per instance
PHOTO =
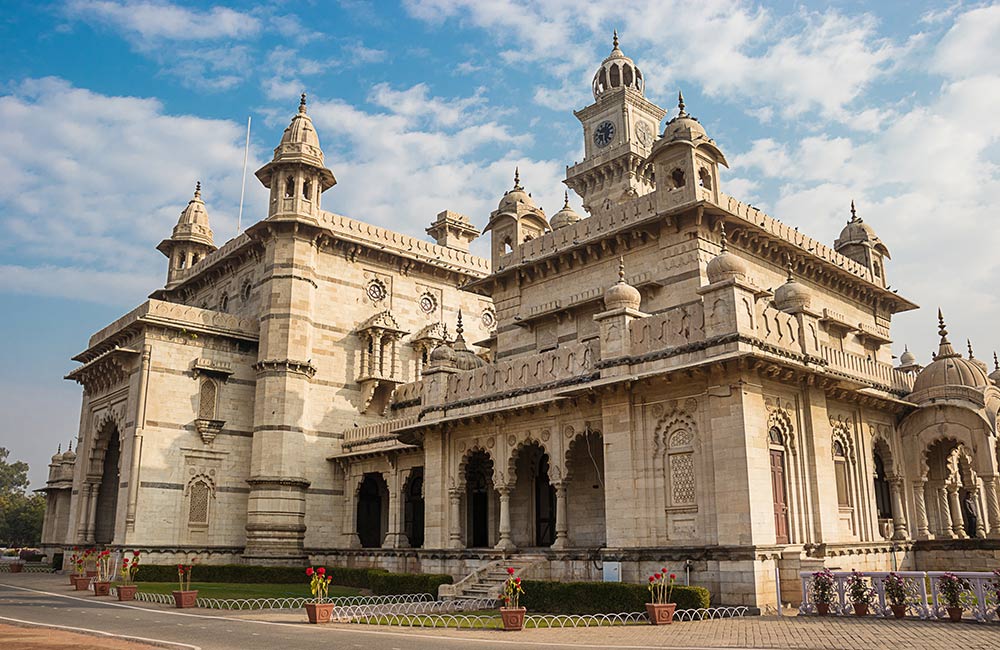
281,366
220,369
208,429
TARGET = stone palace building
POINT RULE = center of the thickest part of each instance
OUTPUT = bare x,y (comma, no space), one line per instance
674,378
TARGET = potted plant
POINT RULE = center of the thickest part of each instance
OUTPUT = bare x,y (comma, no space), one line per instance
951,588
661,607
90,560
17,565
822,591
127,587
512,613
79,578
861,593
102,583
319,610
895,592
185,597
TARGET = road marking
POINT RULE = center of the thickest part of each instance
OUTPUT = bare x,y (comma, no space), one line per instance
99,632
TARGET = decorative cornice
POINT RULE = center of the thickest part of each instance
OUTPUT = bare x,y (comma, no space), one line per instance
282,366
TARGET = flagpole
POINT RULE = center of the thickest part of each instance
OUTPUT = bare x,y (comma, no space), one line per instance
243,186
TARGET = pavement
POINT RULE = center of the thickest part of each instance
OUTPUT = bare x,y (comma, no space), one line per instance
33,602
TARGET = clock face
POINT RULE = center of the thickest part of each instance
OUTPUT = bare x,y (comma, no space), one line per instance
604,132
644,133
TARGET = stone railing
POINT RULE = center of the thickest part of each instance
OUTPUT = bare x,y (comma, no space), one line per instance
218,254
376,432
978,599
857,365
565,362
677,326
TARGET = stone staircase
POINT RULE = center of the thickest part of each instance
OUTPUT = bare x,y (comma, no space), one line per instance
487,581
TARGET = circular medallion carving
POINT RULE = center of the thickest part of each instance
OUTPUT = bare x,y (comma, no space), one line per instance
545,435
490,442
428,303
489,319
511,440
376,291
568,432
461,446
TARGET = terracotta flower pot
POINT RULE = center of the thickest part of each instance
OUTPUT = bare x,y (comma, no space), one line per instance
102,588
513,618
860,610
81,583
660,613
822,608
319,612
899,611
15,567
955,614
127,592
185,599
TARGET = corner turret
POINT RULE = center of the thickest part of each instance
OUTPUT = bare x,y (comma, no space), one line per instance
191,239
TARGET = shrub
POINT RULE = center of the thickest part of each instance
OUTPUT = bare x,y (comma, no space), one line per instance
384,583
601,597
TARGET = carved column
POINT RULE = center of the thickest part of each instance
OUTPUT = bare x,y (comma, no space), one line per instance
899,531
955,506
505,543
395,533
944,513
980,531
92,489
454,523
923,531
350,529
992,506
562,525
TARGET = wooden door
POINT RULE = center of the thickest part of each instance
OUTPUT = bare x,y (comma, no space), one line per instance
778,491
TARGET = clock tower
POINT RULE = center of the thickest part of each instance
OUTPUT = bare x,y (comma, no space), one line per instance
618,132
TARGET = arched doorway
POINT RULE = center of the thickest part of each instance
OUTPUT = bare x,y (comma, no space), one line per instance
413,508
883,493
478,496
533,502
585,513
107,491
373,513
776,447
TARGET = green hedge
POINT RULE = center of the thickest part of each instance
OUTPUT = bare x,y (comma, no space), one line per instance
378,580
601,597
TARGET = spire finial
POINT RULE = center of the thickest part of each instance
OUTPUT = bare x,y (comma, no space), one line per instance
968,342
458,327
614,41
680,103
59,448
302,103
197,190
566,204
854,213
71,445
621,269
942,328
725,249
996,362
788,265
517,178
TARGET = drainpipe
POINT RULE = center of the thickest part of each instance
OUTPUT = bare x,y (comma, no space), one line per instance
140,424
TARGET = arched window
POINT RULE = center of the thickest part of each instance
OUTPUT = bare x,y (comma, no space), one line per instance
208,397
224,302
705,178
507,247
680,463
775,437
877,269
307,190
247,288
840,471
616,79
677,176
883,495
289,187
198,506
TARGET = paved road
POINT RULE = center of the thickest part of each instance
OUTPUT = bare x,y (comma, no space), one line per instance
48,599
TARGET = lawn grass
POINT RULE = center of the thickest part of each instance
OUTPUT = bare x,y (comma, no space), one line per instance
252,590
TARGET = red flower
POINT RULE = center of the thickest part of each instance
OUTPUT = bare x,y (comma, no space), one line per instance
673,576
658,575
664,569
309,571
517,581
135,553
510,571
125,562
651,578
321,571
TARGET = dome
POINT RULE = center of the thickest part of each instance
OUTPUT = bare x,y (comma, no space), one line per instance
565,217
193,222
69,456
516,194
949,368
622,294
683,125
617,71
995,375
442,355
299,144
858,232
465,359
725,265
57,457
907,358
793,295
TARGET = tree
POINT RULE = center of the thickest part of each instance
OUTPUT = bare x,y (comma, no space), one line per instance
21,514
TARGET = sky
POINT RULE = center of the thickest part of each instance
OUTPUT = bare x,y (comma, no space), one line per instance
111,110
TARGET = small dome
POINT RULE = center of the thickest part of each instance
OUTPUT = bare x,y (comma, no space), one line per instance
683,125
465,359
793,295
69,456
725,265
193,222
622,294
907,358
617,71
57,457
442,355
949,368
516,194
972,357
995,375
299,145
858,232
565,217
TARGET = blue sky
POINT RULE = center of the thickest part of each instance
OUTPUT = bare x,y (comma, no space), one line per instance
110,110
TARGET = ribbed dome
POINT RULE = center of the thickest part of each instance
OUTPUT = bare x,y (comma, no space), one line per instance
299,144
858,232
442,355
617,71
995,375
949,368
683,125
565,217
622,294
725,265
907,358
465,359
193,222
793,295
516,194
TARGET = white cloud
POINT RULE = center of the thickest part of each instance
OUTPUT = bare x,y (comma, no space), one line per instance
88,196
153,21
972,46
